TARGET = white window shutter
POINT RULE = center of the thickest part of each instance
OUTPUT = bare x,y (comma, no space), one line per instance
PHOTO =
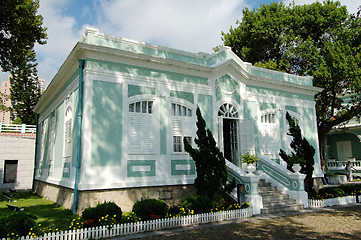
246,136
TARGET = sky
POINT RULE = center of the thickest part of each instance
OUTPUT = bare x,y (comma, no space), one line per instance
189,25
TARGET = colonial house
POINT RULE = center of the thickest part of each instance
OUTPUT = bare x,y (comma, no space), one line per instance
111,122
343,145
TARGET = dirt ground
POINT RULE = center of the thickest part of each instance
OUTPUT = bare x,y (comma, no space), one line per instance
328,223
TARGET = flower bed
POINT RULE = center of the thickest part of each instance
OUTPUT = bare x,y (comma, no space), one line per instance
320,203
145,226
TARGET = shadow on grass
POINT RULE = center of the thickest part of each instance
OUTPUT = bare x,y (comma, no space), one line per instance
48,213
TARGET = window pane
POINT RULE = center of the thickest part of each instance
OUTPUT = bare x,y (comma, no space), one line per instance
179,110
173,109
137,106
150,104
131,107
177,147
188,139
144,106
184,113
189,112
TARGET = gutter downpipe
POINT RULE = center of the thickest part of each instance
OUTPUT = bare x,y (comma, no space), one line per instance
78,145
36,151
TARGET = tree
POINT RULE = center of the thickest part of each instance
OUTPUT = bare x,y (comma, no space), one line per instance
25,92
210,164
21,28
318,40
302,153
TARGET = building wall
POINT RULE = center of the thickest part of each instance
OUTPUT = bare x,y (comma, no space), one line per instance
351,137
23,151
5,89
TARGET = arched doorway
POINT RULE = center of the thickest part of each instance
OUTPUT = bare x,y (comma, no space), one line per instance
228,124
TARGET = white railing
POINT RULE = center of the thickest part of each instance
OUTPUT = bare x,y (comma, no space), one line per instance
313,203
147,226
23,128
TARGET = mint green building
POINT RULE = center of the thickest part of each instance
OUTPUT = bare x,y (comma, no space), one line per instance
111,122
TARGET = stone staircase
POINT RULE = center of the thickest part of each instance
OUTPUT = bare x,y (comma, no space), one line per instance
274,201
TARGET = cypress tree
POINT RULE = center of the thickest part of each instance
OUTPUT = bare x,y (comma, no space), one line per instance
211,166
302,153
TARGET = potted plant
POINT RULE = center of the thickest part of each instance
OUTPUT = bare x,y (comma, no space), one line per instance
250,159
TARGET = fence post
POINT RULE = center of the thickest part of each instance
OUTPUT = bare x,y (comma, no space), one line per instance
23,127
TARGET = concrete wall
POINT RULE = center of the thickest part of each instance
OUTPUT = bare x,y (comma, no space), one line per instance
22,149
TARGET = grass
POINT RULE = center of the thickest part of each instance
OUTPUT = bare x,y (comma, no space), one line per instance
48,213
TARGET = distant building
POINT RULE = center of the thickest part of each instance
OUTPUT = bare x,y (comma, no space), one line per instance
5,100
5,116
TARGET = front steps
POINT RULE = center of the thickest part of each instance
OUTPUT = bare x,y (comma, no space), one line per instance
274,201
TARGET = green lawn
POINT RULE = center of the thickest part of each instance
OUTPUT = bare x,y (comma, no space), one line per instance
48,213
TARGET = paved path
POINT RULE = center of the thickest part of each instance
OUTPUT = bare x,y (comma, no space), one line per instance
341,222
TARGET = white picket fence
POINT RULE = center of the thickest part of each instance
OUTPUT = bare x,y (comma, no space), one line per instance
312,203
139,227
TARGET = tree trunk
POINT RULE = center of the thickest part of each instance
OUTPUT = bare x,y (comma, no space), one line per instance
322,138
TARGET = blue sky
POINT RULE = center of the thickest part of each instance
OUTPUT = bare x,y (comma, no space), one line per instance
190,25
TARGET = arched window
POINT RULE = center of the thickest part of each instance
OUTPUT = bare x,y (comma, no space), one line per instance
182,126
68,132
51,145
228,110
141,129
68,137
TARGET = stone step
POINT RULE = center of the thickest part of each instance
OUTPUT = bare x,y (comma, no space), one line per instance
278,209
271,198
288,202
274,201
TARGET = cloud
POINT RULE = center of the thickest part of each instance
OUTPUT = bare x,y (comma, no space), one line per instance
62,36
188,25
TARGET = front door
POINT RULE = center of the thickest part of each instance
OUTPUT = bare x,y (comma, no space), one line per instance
344,150
230,140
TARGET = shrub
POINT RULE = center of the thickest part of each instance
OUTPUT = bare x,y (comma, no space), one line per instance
102,210
331,192
198,203
17,224
148,209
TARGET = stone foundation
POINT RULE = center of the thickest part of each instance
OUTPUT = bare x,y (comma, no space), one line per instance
61,195
124,198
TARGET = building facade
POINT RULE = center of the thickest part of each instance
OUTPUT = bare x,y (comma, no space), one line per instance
112,121
5,89
5,100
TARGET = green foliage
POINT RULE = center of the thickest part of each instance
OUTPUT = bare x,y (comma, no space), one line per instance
3,97
24,92
98,213
21,27
339,191
210,164
318,40
302,152
331,192
249,158
17,121
198,203
150,209
17,224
